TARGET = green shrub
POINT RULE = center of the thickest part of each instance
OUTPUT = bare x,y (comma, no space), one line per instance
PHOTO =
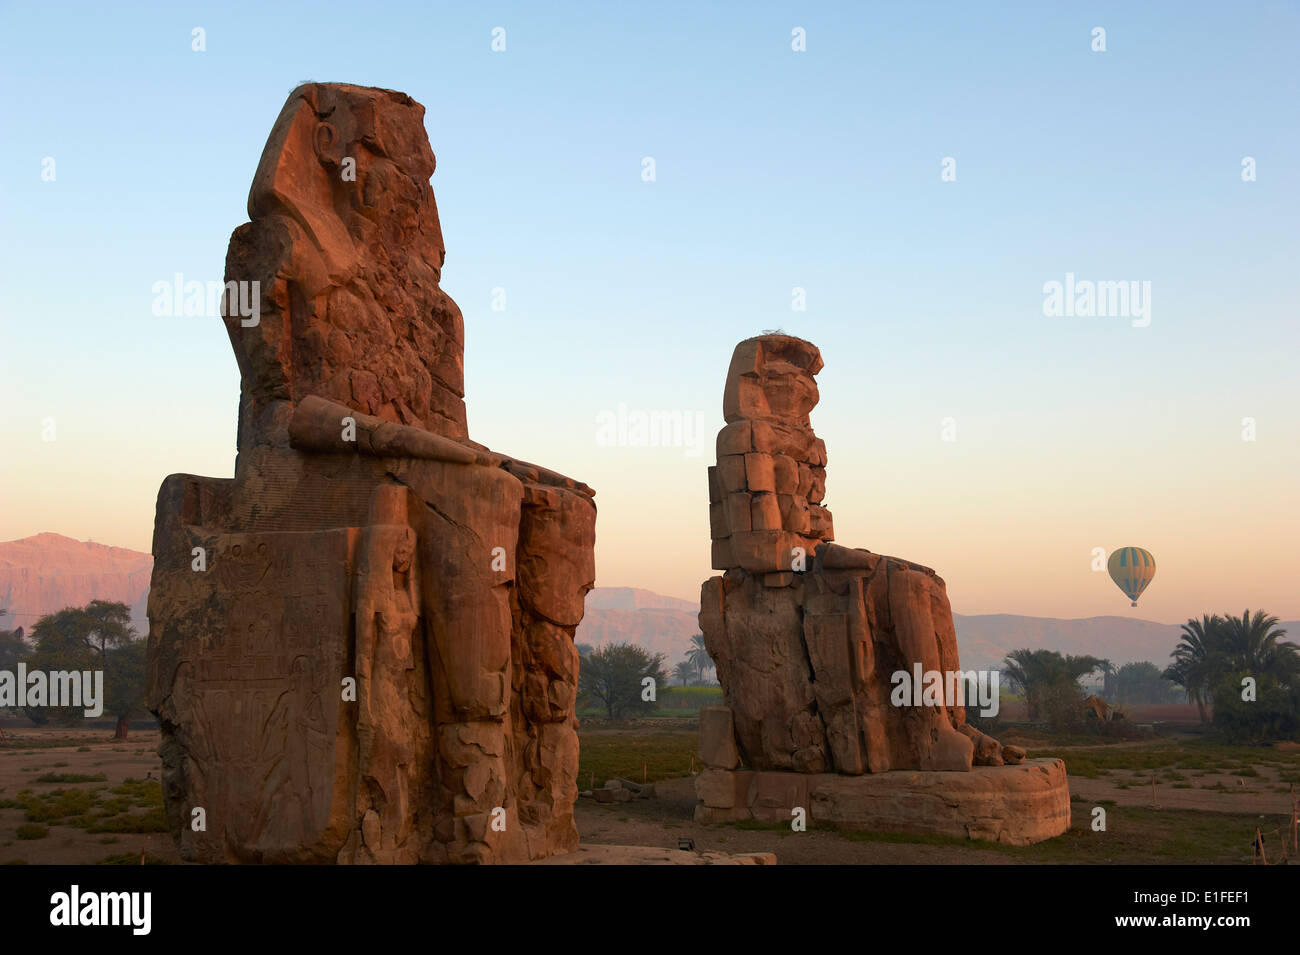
1274,714
58,804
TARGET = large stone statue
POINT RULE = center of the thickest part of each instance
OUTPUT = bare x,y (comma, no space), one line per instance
811,639
361,646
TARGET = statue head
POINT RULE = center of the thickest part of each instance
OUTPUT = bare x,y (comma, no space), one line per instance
352,164
347,247
771,376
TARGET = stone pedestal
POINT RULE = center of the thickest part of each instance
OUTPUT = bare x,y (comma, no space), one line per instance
1017,805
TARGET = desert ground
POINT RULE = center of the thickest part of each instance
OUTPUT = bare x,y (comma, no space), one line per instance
77,796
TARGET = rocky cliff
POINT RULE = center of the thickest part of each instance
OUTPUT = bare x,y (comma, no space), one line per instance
48,572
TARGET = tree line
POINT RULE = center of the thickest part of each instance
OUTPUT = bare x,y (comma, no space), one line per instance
1240,666
98,636
1244,669
614,676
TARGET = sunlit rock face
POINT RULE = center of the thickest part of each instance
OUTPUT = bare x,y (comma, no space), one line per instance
807,634
361,645
810,640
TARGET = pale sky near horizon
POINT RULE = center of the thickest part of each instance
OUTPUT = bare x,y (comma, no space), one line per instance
775,170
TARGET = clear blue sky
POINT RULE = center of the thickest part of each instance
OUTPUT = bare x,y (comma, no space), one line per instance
775,169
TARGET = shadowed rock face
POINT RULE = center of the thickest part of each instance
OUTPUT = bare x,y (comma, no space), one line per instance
806,634
361,646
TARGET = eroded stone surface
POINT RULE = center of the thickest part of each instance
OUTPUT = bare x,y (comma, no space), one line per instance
375,661
718,738
347,247
808,635
805,633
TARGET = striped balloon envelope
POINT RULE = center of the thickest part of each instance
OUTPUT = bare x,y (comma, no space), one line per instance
1132,568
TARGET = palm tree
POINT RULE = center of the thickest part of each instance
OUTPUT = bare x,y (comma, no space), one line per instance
1075,668
1254,645
698,656
684,671
1040,672
1215,648
1198,659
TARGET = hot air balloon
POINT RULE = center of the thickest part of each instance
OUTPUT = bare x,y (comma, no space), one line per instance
1132,568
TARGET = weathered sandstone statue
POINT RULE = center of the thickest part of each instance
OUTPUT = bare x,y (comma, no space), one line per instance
808,636
361,646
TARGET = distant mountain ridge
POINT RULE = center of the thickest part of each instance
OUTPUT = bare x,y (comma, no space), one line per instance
47,572
633,598
984,639
630,615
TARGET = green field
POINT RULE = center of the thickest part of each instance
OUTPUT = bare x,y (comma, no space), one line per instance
659,755
1176,756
